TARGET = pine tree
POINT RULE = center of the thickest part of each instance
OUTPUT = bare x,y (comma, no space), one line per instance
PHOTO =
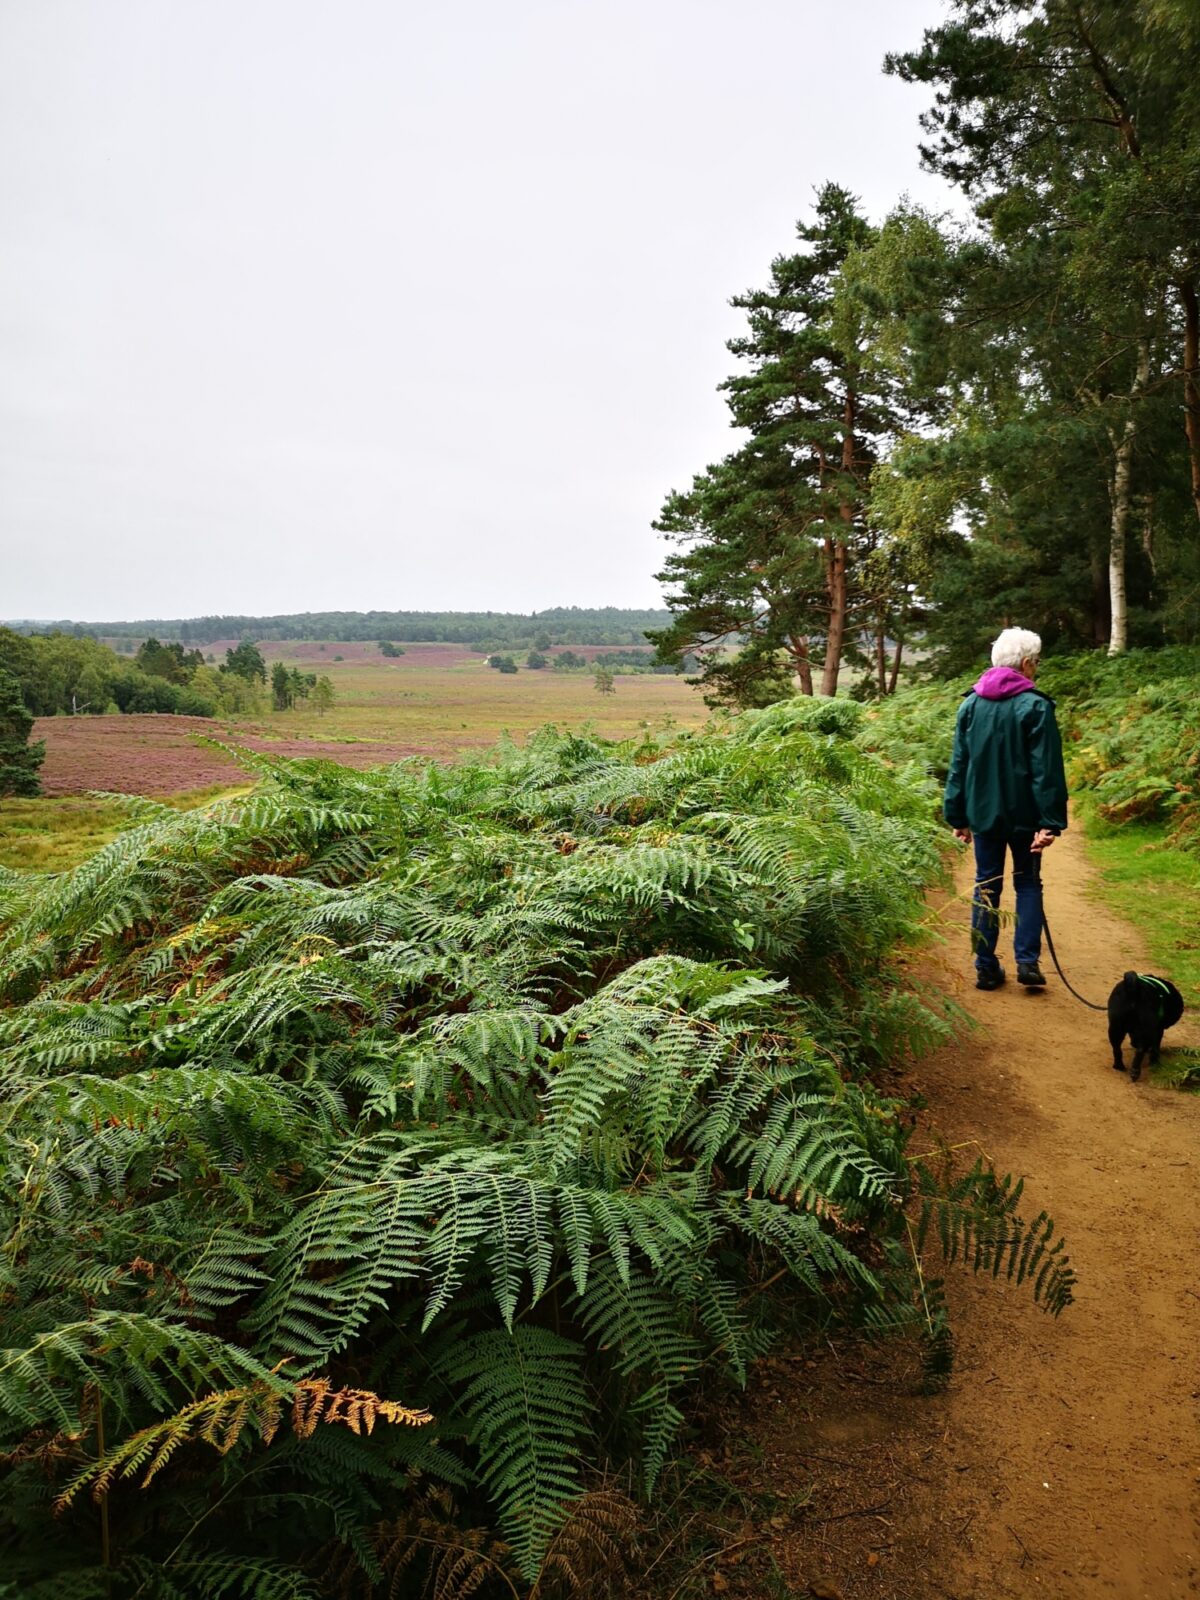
19,760
246,662
773,536
281,687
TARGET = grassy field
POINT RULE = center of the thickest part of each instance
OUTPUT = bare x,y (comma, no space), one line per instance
50,834
435,700
441,698
1157,888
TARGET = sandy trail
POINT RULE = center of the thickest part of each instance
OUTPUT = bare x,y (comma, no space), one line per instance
1073,1447
1063,1460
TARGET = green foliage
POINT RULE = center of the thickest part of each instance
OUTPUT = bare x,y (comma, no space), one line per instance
59,672
1136,739
19,760
1132,738
290,686
641,661
1064,321
781,560
507,1090
245,661
169,661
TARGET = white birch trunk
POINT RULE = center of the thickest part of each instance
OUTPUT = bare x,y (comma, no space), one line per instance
1122,443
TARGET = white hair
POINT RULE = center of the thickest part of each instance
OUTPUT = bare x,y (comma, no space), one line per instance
1014,646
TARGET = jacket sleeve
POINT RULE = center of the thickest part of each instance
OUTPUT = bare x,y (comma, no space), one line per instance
954,801
1046,768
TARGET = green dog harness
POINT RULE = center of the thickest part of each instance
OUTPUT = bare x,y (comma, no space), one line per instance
1157,983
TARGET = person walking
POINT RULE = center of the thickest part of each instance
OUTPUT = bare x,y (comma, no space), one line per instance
1007,789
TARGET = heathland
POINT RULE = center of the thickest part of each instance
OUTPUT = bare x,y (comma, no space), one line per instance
438,700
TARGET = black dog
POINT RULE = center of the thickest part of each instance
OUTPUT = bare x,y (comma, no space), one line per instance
1142,1007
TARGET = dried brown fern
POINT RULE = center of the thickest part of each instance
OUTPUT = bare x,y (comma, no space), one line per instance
593,1542
314,1402
457,1561
220,1419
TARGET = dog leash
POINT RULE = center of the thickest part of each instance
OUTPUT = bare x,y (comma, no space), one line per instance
1053,952
1054,957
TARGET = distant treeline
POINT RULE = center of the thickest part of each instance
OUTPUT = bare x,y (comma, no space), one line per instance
562,625
62,673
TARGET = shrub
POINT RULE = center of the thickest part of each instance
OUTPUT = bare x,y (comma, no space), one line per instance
503,1093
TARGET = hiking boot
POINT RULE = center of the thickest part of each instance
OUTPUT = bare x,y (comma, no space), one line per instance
1030,974
990,980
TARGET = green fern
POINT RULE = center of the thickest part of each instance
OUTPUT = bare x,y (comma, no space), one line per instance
527,1409
533,1090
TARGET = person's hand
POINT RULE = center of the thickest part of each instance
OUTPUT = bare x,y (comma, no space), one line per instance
963,835
1042,840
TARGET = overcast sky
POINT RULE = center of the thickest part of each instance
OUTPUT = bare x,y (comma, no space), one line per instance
312,304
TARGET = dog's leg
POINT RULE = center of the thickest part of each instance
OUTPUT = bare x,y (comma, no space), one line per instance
1116,1037
1139,1056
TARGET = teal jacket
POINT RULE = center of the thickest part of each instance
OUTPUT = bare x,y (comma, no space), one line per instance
1006,770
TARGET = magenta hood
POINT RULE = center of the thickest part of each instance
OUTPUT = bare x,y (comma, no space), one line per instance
1001,683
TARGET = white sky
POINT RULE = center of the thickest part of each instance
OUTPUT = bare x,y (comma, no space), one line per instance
312,304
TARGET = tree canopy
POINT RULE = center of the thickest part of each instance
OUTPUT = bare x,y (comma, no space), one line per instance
949,426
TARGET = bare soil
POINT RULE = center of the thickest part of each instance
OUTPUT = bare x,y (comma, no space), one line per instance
1064,1459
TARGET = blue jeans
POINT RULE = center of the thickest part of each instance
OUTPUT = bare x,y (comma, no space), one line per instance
989,878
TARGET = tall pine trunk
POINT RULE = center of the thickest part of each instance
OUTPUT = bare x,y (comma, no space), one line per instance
801,664
836,587
895,677
835,560
881,654
1191,380
1122,443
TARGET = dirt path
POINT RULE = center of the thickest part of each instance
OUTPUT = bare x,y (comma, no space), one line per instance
1075,1446
1064,1460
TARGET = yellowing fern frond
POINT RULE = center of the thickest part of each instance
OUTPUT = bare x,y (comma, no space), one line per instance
315,1401
220,1420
